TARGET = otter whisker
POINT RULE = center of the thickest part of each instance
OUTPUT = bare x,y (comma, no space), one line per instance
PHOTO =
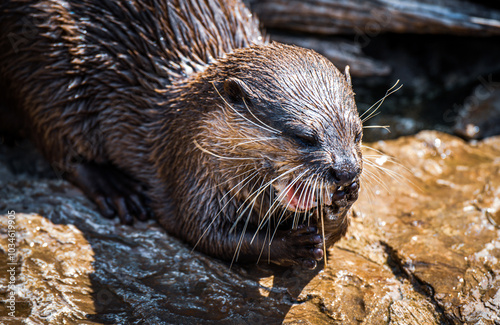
387,158
391,173
376,150
250,138
222,157
259,191
276,202
389,92
240,241
248,178
254,195
371,148
318,190
255,117
319,199
385,127
240,166
252,141
305,191
241,115
376,174
368,178
275,205
369,188
319,195
247,207
320,208
378,179
302,190
268,234
311,191
232,178
217,215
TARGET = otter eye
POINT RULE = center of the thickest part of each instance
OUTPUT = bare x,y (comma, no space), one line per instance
306,140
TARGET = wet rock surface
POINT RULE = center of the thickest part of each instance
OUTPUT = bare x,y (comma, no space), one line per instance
423,248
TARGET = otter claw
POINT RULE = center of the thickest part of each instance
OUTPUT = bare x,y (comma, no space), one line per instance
300,246
104,207
115,193
309,264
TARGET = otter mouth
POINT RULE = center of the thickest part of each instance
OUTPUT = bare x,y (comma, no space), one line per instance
301,197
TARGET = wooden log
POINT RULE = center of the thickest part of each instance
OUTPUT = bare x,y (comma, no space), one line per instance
368,18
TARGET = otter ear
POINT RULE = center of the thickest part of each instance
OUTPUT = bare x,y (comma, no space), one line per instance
347,75
236,90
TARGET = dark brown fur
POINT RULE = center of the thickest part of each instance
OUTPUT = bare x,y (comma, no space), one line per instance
182,100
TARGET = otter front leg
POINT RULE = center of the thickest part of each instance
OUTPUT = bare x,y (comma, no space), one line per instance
297,246
114,192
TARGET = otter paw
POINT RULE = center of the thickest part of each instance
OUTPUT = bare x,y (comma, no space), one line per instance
346,195
115,193
301,246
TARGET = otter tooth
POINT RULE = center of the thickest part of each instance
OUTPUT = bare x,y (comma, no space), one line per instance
328,199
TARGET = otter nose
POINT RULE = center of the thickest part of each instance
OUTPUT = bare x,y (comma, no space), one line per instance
343,177
344,172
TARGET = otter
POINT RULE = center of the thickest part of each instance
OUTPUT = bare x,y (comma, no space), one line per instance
247,149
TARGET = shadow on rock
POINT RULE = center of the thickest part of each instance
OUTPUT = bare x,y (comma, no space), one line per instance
76,266
411,256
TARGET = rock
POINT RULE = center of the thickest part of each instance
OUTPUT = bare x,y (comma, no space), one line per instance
437,229
479,116
423,248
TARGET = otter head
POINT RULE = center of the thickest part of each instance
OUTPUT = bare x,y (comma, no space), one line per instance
286,128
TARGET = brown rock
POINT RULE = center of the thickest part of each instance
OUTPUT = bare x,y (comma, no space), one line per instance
423,248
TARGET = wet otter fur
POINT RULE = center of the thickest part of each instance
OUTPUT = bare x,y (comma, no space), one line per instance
246,149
